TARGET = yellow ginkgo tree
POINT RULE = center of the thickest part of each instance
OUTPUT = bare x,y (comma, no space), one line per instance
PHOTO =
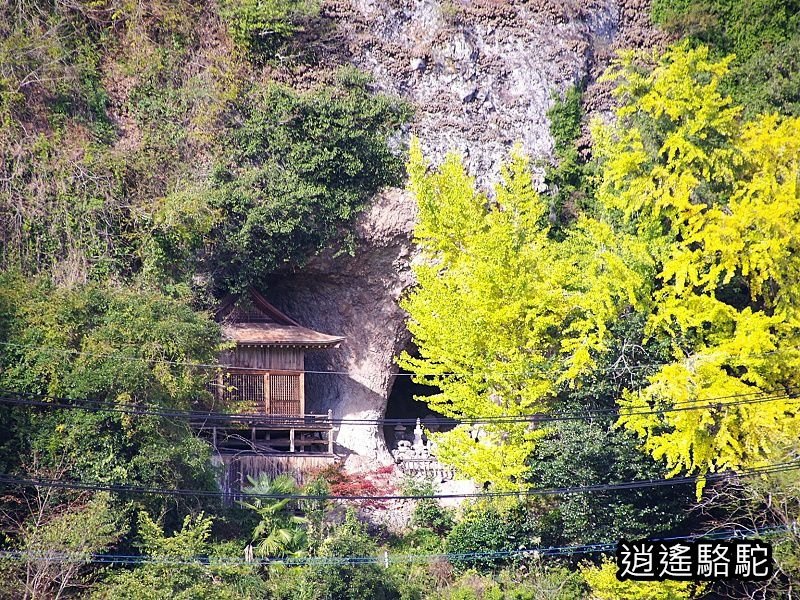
695,227
503,315
718,202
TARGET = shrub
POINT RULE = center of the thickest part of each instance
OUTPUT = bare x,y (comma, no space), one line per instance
297,168
504,527
373,483
343,581
261,26
428,513
484,531
177,572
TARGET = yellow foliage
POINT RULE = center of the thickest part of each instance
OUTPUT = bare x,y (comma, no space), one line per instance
718,199
502,315
605,586
498,455
696,226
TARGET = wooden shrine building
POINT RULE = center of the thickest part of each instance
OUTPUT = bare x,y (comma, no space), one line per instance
262,383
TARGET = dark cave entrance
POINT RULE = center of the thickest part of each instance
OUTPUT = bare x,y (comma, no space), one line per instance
403,405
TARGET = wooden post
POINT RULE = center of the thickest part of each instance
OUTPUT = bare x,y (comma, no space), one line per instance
302,392
267,404
330,431
291,440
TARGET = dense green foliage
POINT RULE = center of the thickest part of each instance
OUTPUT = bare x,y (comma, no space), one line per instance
764,35
502,528
352,582
123,158
188,578
578,453
262,26
299,167
107,344
279,532
568,181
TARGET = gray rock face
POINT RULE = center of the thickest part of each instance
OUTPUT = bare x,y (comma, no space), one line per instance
481,76
356,297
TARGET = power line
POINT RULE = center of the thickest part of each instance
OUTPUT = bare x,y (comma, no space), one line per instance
536,552
71,351
210,417
141,359
11,481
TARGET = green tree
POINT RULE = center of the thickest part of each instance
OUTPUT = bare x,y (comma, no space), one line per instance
215,170
260,27
353,581
57,535
298,168
101,343
184,566
575,453
280,532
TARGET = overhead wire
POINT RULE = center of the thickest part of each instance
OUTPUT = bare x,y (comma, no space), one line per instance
178,363
523,552
146,360
210,417
7,480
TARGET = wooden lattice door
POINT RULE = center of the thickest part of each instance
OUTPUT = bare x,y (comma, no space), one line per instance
262,392
247,388
285,394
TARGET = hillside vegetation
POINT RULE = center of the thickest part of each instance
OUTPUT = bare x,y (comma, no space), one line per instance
642,302
149,142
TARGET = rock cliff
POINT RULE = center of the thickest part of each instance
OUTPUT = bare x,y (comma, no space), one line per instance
481,76
356,297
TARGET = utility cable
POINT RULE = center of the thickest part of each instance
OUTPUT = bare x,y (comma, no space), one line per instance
210,417
536,552
214,366
11,481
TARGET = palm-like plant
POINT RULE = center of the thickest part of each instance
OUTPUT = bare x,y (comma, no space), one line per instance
280,532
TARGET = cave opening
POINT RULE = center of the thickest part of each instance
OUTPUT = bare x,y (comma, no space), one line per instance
403,404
